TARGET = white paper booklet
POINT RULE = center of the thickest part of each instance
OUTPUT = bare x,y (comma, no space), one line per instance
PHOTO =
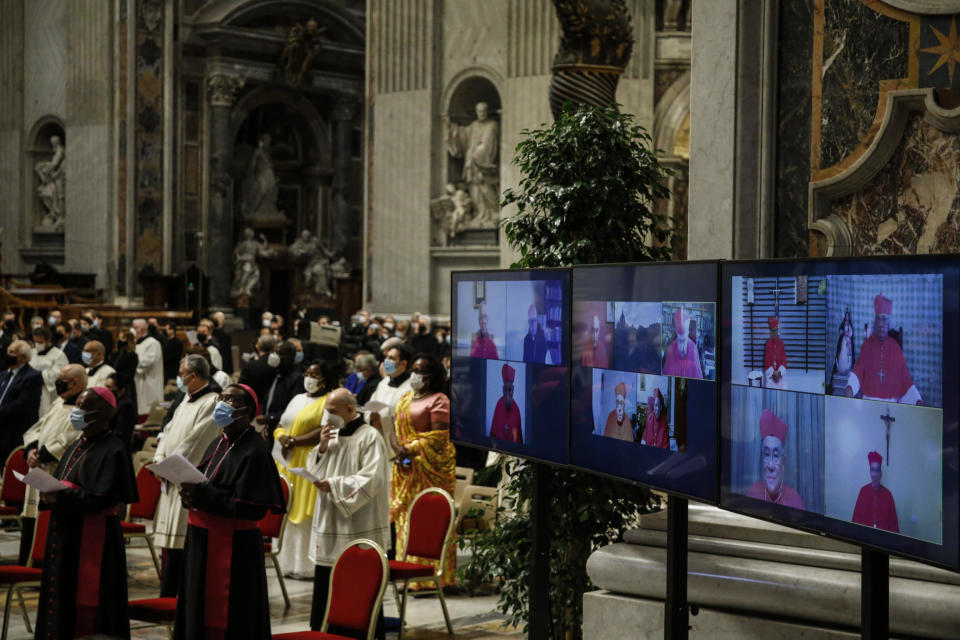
177,469
41,481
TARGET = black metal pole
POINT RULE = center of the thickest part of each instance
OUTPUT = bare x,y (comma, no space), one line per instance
676,613
539,628
874,595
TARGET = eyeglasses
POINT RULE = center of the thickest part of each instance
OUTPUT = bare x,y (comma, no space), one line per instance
774,455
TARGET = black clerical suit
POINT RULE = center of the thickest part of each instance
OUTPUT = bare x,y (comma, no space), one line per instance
287,383
258,374
19,406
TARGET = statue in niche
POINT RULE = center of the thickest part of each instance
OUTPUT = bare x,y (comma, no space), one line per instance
260,184
322,266
452,212
246,273
478,143
302,43
52,187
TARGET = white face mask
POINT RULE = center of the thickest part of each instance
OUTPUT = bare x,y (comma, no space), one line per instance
273,360
265,323
416,381
328,418
311,384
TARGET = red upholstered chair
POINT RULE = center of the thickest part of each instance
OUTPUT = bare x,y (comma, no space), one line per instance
13,492
156,611
15,578
148,486
430,524
272,526
357,583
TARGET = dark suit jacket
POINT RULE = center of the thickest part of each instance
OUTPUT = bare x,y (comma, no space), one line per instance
226,349
259,375
172,355
289,384
72,351
366,391
20,407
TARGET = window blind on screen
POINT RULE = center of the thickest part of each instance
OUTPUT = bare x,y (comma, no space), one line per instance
802,326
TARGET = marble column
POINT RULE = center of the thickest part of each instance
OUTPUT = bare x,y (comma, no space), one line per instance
344,111
221,92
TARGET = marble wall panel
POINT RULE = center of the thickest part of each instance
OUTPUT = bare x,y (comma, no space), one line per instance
533,37
402,44
10,218
89,225
473,35
45,60
11,112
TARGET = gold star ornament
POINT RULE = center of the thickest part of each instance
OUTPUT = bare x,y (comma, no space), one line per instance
948,50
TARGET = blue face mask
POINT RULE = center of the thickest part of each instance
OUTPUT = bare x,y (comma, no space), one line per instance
297,359
181,384
223,414
52,321
389,367
87,357
78,418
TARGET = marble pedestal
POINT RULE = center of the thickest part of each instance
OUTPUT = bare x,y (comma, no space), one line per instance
750,579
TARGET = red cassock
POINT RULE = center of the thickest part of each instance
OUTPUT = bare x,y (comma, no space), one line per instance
622,431
657,433
876,509
788,495
886,357
684,366
506,423
774,354
483,347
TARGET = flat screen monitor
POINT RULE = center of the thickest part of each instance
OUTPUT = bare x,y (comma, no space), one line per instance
839,399
510,378
643,381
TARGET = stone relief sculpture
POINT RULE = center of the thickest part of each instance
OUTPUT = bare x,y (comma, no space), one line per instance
260,184
52,187
246,273
453,212
302,43
478,143
322,263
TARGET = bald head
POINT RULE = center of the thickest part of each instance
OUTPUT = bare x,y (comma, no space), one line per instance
343,404
73,378
140,327
96,351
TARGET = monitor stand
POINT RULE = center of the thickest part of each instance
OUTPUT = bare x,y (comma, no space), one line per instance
676,614
874,594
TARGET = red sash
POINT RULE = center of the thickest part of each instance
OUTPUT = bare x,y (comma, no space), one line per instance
216,596
92,538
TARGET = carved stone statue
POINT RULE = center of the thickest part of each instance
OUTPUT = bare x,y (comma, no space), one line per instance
306,244
52,187
260,184
478,144
453,212
302,43
322,266
246,273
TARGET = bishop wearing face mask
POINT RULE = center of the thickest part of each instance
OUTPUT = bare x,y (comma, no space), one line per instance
223,593
84,587
189,433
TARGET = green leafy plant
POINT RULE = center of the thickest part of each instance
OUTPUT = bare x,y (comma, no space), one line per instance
586,197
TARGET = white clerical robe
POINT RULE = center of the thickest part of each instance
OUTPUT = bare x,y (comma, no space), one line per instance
97,377
50,364
149,376
54,433
189,433
358,505
389,396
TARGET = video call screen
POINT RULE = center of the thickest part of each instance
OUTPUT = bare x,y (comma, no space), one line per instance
839,399
510,380
643,364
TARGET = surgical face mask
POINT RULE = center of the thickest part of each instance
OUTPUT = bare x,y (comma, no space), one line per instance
361,375
388,326
334,420
389,367
273,359
297,359
311,384
265,323
78,418
87,357
222,414
181,384
416,381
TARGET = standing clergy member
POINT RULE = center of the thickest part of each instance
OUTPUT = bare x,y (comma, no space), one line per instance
534,343
506,415
682,358
45,442
881,370
483,345
353,493
149,376
223,594
875,507
774,358
189,433
49,361
618,424
656,433
20,388
84,587
97,369
773,455
595,352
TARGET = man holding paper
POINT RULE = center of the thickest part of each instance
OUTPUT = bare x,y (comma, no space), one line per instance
46,441
395,384
189,433
223,594
84,586
353,491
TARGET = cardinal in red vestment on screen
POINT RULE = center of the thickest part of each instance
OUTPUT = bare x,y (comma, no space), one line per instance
875,507
881,370
595,346
682,357
506,415
618,424
771,488
483,346
656,433
774,358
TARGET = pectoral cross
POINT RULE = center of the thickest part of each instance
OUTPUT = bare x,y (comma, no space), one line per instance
889,419
881,374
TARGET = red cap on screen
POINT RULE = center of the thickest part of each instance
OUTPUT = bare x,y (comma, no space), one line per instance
680,320
620,390
772,425
873,456
882,305
774,322
508,373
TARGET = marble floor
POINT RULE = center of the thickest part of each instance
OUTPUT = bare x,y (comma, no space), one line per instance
472,617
